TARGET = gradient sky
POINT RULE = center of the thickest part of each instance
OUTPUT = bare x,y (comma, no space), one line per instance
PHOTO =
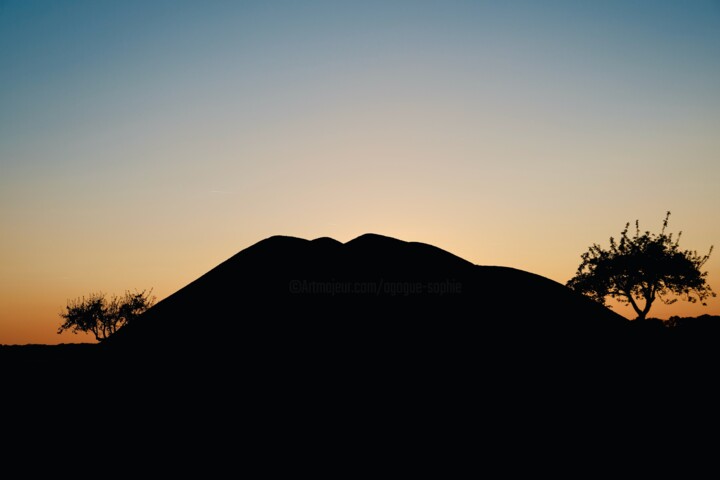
144,142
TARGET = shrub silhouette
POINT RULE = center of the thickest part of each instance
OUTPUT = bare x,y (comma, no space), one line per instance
102,317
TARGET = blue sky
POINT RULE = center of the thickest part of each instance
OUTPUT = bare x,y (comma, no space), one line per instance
141,143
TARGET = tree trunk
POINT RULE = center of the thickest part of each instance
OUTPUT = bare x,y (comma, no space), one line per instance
649,299
648,303
641,313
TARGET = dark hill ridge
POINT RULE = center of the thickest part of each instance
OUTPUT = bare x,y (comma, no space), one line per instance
288,319
286,293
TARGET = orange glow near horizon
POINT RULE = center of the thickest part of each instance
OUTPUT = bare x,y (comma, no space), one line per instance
30,311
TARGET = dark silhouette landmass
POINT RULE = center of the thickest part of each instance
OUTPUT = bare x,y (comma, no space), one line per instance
371,290
376,304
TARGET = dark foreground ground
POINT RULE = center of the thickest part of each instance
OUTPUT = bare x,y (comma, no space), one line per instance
315,396
330,352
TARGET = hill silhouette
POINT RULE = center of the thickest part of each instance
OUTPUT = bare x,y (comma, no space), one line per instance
374,293
289,323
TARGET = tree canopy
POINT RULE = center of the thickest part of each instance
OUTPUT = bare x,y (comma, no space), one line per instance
641,268
103,317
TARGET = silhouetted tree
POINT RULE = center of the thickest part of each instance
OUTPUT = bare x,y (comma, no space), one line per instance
101,317
642,268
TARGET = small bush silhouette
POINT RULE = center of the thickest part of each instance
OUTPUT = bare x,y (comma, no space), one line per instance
102,317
